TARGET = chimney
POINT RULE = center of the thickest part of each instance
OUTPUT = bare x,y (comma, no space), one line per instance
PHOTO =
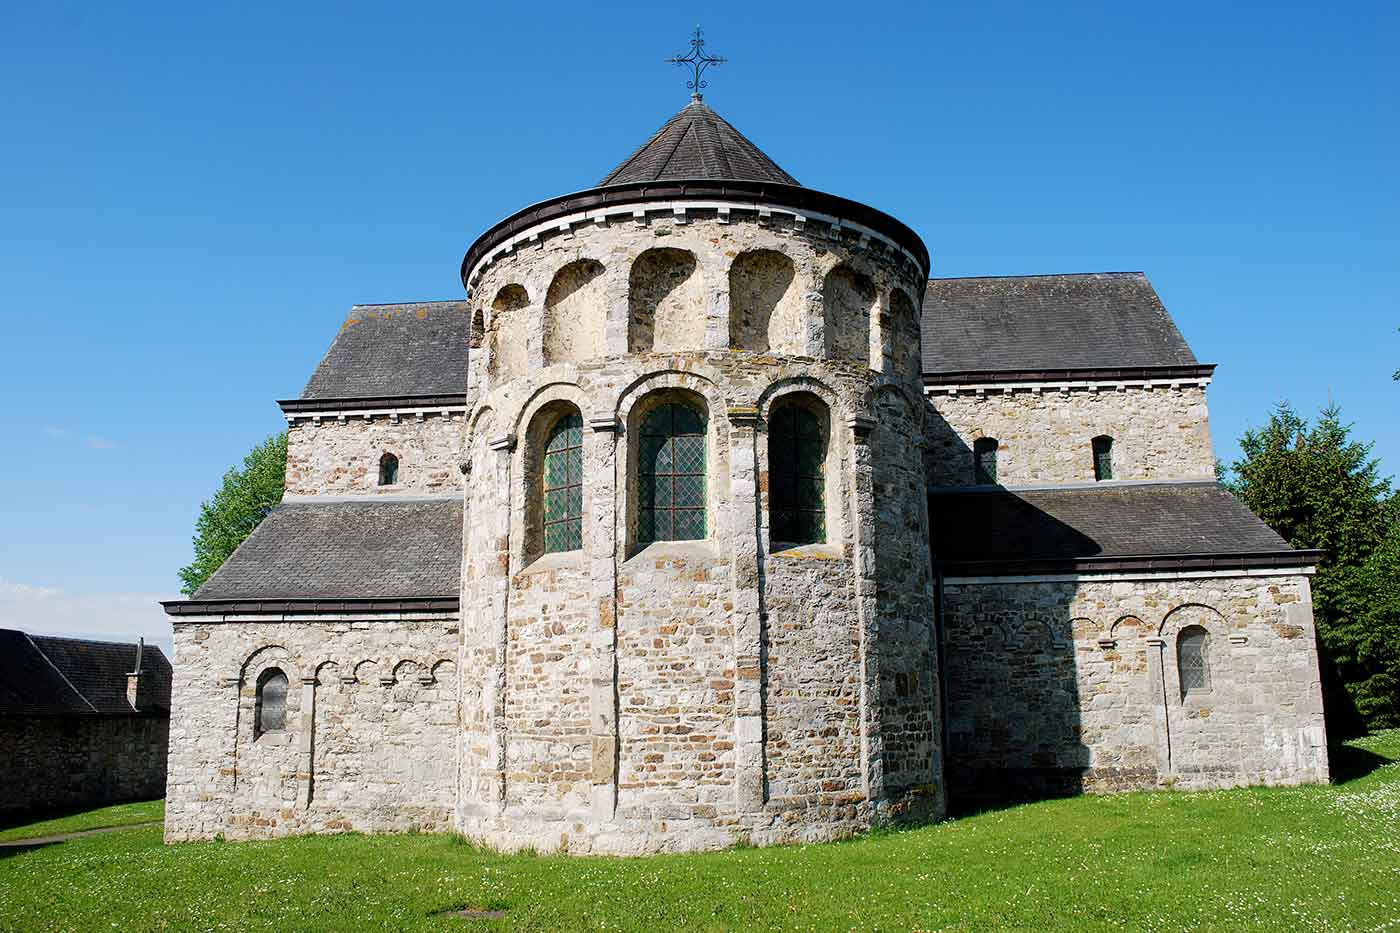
133,680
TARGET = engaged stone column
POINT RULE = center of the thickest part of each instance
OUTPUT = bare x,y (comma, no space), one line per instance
863,523
306,745
748,622
601,540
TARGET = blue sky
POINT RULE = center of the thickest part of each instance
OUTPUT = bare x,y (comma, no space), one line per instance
194,194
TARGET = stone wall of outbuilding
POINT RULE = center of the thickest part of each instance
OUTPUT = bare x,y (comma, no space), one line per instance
331,457
1045,436
370,742
58,762
1066,685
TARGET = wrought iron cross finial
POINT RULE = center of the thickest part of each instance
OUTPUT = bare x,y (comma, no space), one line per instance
697,59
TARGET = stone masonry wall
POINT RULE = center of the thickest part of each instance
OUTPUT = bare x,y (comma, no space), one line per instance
71,761
1062,685
333,458
1045,437
631,697
371,728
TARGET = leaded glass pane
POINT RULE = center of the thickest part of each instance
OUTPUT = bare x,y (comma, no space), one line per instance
984,455
671,475
1191,661
797,476
563,485
272,701
1103,458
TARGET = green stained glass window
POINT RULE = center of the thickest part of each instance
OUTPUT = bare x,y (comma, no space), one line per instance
796,476
984,461
671,475
563,485
1103,458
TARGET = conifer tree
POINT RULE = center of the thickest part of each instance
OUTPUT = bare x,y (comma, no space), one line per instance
1319,488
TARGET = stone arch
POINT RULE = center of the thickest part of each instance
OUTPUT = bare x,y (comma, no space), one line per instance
508,333
665,302
899,337
802,488
366,671
265,657
765,304
848,300
638,411
1127,626
406,671
575,313
327,669
1207,617
546,413
1082,628
443,670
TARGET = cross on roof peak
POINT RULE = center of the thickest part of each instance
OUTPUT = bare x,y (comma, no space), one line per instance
698,59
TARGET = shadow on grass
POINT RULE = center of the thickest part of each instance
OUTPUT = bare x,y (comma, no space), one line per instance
1350,763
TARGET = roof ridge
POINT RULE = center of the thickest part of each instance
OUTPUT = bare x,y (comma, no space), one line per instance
1033,275
49,661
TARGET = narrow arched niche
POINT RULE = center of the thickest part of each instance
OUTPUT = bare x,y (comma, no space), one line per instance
901,337
848,298
665,305
575,311
765,311
508,331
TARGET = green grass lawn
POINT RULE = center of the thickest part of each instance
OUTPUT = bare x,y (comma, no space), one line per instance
1291,859
122,814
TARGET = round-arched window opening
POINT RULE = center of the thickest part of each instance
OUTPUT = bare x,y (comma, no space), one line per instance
388,470
271,712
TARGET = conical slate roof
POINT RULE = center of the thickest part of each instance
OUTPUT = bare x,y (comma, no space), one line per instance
697,144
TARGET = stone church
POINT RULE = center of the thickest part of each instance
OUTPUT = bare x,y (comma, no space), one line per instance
708,517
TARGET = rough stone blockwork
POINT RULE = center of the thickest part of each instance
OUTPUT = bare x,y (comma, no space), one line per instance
1057,687
644,696
333,458
70,761
1159,433
370,734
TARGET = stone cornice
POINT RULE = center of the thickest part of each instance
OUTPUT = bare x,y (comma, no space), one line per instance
676,200
1066,380
1287,561
430,605
393,407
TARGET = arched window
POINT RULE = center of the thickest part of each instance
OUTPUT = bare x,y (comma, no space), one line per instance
984,461
271,713
671,475
1103,457
796,475
562,471
388,470
1191,660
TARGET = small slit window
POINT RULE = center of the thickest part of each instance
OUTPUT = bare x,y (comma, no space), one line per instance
388,470
563,485
984,461
271,715
797,475
671,475
1192,661
1103,457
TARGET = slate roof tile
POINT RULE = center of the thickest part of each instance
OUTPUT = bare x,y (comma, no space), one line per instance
697,144
378,548
1108,521
1048,322
417,348
45,675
